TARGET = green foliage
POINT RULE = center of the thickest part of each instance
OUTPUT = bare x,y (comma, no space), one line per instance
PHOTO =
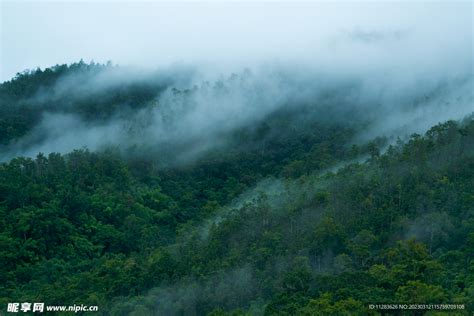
212,238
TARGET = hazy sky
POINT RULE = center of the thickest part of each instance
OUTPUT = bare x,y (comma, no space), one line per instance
232,34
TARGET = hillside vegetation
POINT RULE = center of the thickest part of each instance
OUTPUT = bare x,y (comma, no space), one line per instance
289,217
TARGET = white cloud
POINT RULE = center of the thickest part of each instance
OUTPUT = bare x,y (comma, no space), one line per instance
227,35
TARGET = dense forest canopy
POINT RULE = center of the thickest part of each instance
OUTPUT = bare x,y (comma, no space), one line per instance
267,193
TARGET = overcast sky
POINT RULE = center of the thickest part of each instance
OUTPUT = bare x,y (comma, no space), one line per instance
155,33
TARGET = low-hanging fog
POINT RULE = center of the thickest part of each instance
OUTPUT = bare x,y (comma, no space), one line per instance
398,68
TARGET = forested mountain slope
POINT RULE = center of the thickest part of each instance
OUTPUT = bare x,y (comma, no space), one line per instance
290,215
